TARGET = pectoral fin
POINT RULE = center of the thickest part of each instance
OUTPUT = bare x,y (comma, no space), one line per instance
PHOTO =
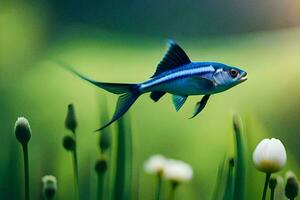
178,101
155,96
200,105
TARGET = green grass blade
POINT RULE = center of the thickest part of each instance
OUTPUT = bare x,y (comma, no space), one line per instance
105,137
240,169
100,186
123,161
228,194
129,160
106,145
218,190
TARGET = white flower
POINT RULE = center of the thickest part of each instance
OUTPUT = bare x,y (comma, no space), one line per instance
269,155
49,180
156,164
22,130
22,121
178,171
49,186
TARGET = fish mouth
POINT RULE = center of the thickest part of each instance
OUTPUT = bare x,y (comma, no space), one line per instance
243,77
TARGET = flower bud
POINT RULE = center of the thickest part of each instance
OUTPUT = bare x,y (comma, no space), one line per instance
292,185
69,143
49,186
22,130
269,155
156,164
178,171
231,162
236,123
101,165
70,122
273,183
105,140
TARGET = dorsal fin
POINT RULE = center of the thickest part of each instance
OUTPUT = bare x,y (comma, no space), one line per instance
174,57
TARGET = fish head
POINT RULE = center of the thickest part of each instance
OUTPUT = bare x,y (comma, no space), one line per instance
226,76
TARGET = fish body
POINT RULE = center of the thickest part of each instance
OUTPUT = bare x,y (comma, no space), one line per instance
195,78
176,74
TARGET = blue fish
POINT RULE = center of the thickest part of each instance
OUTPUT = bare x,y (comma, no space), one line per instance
175,74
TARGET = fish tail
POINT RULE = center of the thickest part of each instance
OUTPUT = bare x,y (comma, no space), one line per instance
116,88
128,93
125,101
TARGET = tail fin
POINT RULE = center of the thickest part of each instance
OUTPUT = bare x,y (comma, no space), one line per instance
128,93
125,101
116,88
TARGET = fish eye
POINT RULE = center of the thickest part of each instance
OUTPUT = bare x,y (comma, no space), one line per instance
233,73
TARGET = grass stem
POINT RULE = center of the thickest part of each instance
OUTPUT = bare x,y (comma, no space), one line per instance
268,176
75,167
229,188
158,186
272,194
26,170
123,163
173,189
100,186
239,181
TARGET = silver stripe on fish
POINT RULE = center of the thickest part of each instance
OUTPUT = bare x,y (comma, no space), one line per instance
178,74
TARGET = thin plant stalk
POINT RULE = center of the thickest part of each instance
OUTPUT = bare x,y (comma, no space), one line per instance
75,168
105,145
71,124
240,165
100,186
272,194
229,183
123,176
109,184
268,176
172,191
48,198
120,182
26,170
158,187
219,181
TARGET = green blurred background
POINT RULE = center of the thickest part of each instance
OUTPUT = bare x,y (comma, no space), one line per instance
123,41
